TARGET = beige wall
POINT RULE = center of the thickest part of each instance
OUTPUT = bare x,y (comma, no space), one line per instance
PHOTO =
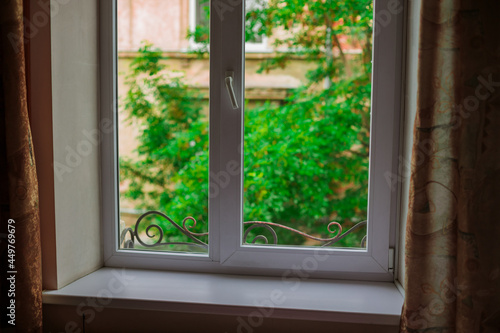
165,23
75,100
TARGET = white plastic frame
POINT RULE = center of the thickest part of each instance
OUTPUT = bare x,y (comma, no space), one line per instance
226,254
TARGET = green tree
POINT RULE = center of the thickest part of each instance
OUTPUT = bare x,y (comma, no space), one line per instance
310,155
170,173
306,161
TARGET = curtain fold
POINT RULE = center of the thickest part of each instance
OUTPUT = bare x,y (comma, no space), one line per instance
19,180
452,257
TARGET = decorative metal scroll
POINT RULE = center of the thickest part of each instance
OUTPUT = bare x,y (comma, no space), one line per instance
338,235
156,234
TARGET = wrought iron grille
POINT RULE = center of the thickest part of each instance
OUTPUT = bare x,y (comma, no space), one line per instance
157,238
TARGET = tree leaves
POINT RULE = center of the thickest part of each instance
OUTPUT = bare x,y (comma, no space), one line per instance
306,161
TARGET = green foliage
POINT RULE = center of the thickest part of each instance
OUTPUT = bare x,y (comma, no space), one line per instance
174,138
312,30
310,155
306,161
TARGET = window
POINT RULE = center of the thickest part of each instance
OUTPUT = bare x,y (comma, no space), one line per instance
200,20
218,122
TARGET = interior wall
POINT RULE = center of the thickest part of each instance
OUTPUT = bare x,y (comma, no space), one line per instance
75,98
413,30
60,318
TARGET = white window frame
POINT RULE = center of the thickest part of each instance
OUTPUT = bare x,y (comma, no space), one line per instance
227,254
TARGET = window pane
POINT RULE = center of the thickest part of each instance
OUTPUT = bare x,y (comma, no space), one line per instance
163,127
252,8
202,20
307,122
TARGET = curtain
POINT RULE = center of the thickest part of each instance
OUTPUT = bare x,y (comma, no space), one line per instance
452,257
19,187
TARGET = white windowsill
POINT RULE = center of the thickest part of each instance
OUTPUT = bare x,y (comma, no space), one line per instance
321,300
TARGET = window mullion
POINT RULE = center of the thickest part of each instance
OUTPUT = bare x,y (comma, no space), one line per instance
227,50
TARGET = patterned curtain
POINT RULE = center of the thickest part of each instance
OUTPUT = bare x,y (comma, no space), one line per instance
19,185
453,230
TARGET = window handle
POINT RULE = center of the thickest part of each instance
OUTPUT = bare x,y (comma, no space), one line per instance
230,90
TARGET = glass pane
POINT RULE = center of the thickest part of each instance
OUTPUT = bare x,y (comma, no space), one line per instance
163,78
307,122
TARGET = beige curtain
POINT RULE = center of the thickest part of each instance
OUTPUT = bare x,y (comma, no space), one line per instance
453,227
19,187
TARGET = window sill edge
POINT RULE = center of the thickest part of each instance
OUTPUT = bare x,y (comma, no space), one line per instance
320,300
